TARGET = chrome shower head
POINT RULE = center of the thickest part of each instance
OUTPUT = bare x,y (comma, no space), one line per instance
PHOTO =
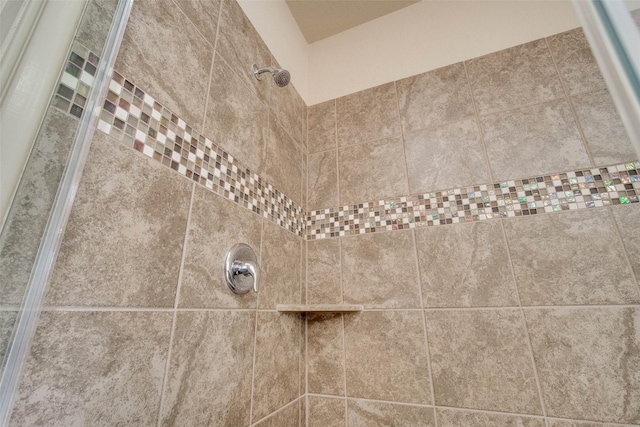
281,77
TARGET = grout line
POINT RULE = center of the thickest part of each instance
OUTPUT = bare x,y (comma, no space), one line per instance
280,409
624,249
404,148
337,150
344,370
174,320
213,61
255,331
176,3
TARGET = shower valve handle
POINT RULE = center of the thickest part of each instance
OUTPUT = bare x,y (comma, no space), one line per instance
241,269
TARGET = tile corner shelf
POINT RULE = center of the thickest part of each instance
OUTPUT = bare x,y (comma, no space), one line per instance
319,308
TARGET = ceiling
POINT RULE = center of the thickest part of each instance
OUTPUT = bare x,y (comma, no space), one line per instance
319,19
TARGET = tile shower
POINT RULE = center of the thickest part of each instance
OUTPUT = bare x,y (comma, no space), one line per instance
485,214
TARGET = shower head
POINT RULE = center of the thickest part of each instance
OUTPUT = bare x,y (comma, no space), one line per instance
281,77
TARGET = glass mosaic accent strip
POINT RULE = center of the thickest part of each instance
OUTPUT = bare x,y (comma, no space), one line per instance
582,189
139,121
76,80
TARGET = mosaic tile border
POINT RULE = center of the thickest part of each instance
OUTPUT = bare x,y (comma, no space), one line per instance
139,121
76,80
581,189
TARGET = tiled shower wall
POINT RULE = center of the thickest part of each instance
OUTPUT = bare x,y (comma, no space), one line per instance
520,314
139,327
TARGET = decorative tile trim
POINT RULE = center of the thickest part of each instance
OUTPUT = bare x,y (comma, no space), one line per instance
139,121
582,189
76,80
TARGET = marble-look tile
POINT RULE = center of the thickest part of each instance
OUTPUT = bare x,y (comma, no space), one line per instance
94,368
377,345
283,167
7,320
29,212
236,119
95,23
434,98
209,378
241,45
456,418
572,423
511,78
323,180
588,361
289,416
367,115
275,374
567,259
302,359
603,129
203,14
163,53
302,403
123,242
325,354
368,413
324,278
578,68
448,156
379,270
305,179
628,220
481,360
216,224
322,126
372,171
286,106
326,411
469,267
280,263
533,141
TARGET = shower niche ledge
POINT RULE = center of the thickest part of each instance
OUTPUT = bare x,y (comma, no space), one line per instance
319,308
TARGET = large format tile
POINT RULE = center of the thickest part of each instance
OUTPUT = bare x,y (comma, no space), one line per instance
94,368
280,265
628,220
236,119
123,242
324,284
511,78
7,320
216,224
481,360
367,115
446,157
163,53
95,24
434,98
289,416
567,259
209,378
578,68
275,374
603,129
571,423
283,164
456,418
368,413
322,126
287,107
533,141
325,354
378,365
372,171
588,361
203,14
323,180
379,270
465,266
326,411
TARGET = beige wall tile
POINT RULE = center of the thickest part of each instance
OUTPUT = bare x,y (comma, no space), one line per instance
289,416
94,26
533,141
367,115
588,361
324,284
203,14
466,265
322,126
446,157
571,423
123,243
326,411
377,345
481,360
209,378
283,164
567,259
368,413
511,78
455,418
371,171
164,53
215,226
434,98
286,106
94,368
379,270
628,220
305,179
325,354
603,129
323,180
275,374
7,320
578,68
